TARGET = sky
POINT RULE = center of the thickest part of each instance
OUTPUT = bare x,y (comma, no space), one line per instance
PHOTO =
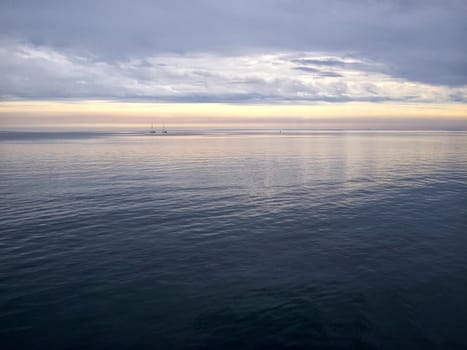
256,63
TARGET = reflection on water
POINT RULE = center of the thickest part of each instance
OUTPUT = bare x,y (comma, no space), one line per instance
307,240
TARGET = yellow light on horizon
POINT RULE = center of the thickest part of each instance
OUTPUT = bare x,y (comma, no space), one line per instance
350,109
112,112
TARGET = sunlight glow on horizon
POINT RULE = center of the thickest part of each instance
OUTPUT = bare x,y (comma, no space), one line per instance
365,114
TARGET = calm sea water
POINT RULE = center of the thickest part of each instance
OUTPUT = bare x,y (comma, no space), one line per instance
326,240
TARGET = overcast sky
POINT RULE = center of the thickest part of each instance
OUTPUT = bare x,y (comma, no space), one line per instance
252,51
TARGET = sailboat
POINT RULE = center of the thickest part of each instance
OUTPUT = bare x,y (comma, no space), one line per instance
152,131
164,131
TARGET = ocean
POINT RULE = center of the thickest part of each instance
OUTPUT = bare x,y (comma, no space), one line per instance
233,240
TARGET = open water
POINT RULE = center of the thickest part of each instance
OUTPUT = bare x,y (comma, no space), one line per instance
310,240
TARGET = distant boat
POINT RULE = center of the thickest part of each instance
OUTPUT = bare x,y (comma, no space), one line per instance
152,130
164,131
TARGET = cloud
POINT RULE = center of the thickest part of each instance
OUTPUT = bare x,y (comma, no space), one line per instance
307,69
321,62
415,40
31,72
330,75
319,72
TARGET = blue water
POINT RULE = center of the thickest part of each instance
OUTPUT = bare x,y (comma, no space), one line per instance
319,240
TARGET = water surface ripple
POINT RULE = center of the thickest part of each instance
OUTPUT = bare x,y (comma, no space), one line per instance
339,240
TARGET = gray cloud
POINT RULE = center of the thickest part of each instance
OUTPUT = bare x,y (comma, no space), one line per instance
318,72
330,75
321,62
30,72
106,48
